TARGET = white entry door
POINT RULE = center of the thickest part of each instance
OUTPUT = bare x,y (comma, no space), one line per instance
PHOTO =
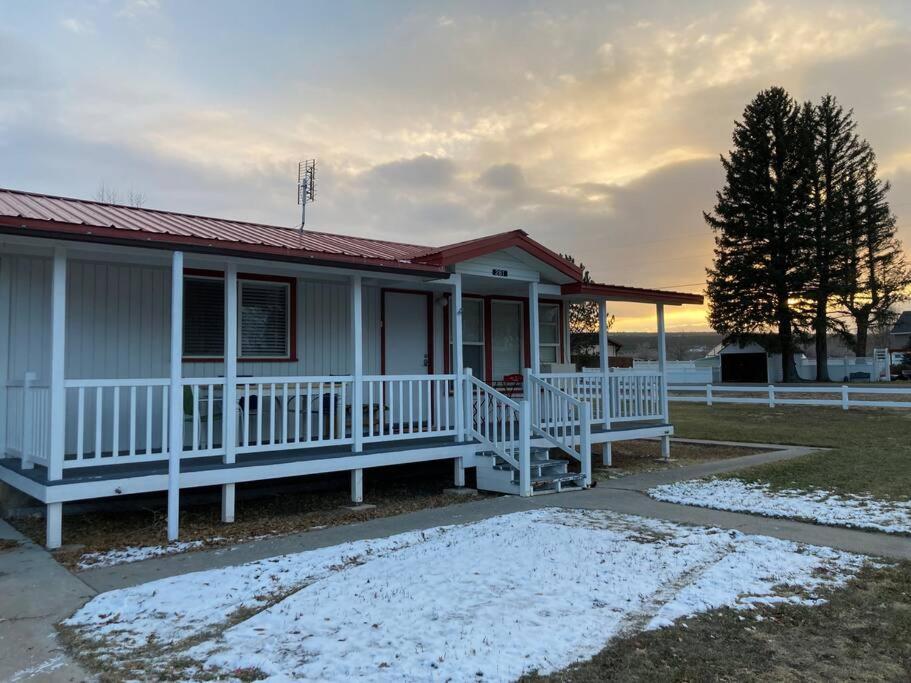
405,333
507,339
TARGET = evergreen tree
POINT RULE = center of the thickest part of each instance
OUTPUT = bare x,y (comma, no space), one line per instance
878,277
762,224
837,155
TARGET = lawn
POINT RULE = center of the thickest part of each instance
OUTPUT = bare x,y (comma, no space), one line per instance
487,601
643,455
870,449
860,634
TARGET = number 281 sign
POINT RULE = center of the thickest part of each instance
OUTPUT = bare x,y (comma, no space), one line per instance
500,272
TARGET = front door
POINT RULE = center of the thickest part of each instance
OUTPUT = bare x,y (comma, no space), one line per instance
405,333
506,338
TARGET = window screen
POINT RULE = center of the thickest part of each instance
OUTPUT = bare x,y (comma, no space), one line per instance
203,317
264,319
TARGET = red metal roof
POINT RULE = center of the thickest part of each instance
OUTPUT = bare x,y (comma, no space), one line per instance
97,219
47,215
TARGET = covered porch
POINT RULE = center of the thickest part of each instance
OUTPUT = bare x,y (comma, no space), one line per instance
131,370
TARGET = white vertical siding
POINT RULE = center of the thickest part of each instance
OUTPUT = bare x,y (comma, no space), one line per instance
118,324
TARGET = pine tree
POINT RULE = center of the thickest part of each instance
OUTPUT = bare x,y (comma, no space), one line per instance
762,227
878,275
837,155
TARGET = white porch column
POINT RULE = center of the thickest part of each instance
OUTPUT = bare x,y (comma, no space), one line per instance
176,396
457,360
5,286
229,402
535,331
54,511
604,359
357,389
662,369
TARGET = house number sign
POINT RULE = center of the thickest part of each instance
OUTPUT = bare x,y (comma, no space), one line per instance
500,272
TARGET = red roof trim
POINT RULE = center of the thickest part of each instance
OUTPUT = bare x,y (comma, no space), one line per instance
632,294
462,251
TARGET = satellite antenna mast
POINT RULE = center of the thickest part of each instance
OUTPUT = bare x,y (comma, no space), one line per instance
306,186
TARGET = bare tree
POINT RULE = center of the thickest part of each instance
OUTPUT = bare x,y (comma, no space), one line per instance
111,195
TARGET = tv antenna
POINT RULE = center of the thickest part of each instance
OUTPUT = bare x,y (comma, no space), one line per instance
306,186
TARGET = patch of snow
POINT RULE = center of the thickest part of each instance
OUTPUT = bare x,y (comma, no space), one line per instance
489,601
111,558
822,507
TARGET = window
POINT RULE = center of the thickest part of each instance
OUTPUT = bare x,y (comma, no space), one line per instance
203,317
473,335
265,318
549,332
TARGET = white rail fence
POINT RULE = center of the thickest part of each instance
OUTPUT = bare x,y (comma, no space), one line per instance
844,396
502,425
561,419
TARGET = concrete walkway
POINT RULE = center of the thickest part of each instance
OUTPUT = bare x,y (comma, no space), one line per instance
625,495
35,594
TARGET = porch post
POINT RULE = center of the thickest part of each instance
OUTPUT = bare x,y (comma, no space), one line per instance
457,360
662,369
58,392
535,331
607,455
229,395
357,389
5,284
176,397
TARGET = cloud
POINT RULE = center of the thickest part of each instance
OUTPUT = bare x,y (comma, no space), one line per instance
595,127
77,26
503,177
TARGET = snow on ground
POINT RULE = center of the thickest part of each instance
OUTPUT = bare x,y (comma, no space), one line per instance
110,558
486,601
822,507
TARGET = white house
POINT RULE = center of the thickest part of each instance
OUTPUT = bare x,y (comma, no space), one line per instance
146,350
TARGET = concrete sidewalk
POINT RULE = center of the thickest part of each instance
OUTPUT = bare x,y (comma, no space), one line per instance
624,495
35,594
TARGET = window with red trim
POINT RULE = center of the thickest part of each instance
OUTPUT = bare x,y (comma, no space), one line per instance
265,317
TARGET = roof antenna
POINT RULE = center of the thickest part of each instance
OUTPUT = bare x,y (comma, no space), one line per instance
306,186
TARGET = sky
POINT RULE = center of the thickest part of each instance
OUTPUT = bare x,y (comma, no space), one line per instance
594,126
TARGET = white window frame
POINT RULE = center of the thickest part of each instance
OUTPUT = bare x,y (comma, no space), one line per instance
557,332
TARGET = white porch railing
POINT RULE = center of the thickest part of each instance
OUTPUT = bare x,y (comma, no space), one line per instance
408,406
277,413
564,421
111,421
28,420
502,425
634,395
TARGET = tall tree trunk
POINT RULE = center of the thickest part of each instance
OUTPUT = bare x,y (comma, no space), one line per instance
786,339
822,342
861,338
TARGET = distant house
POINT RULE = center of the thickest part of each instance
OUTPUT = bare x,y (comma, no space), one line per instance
900,336
586,344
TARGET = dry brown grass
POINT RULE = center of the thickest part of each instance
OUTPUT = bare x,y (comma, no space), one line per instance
283,513
636,457
8,544
863,633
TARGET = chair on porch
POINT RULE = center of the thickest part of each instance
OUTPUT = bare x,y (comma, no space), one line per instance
203,417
